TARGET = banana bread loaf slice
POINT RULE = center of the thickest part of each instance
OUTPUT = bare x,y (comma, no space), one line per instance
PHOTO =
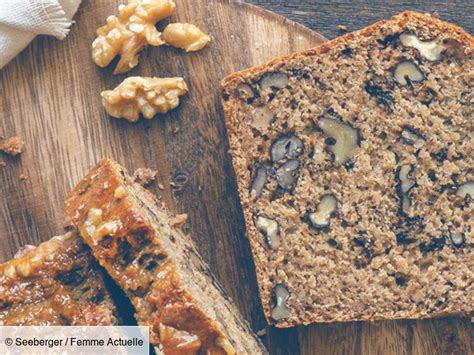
56,283
354,162
157,265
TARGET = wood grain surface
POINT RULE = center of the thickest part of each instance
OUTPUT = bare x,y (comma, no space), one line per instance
323,16
49,95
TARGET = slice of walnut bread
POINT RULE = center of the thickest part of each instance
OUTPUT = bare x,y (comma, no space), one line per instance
354,162
56,283
157,265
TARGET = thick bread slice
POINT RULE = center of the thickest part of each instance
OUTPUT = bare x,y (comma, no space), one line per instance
56,283
157,265
354,162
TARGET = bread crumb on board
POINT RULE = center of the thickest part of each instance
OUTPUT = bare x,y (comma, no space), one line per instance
343,28
2,163
12,146
179,220
144,176
23,177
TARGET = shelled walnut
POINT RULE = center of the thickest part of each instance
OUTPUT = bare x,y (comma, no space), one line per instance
144,95
129,32
186,36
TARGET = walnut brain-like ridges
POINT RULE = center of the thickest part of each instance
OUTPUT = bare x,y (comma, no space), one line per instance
129,32
148,96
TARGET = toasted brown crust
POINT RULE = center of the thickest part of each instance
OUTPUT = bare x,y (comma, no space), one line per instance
136,253
241,165
56,283
231,81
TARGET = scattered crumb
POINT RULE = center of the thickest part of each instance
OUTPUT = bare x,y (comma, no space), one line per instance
179,220
2,163
172,184
176,130
23,177
144,176
342,28
161,187
261,332
12,146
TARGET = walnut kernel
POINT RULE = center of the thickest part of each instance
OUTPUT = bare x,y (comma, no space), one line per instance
346,139
144,95
407,72
428,49
129,32
186,36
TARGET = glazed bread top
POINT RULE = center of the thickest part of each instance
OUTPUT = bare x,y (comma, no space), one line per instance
156,264
55,283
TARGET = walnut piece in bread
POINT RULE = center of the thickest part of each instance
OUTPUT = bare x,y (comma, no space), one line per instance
129,32
186,36
144,95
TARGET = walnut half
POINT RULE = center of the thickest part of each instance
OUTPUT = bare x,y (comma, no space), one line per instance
128,32
145,95
186,36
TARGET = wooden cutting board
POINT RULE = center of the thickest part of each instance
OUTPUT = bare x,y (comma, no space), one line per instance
50,96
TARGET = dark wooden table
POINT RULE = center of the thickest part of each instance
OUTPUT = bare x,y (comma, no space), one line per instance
324,15
443,336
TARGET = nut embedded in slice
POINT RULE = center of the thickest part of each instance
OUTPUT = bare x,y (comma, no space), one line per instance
185,36
274,80
466,190
245,92
259,180
129,32
405,184
457,239
407,72
411,137
269,228
325,210
288,146
281,310
148,96
428,49
287,174
346,137
262,117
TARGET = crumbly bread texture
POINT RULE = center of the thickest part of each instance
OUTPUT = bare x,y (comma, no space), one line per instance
56,283
355,169
157,266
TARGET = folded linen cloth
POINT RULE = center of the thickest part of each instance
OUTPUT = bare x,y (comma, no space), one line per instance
22,20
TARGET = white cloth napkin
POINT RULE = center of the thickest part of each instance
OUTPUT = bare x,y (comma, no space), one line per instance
22,20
